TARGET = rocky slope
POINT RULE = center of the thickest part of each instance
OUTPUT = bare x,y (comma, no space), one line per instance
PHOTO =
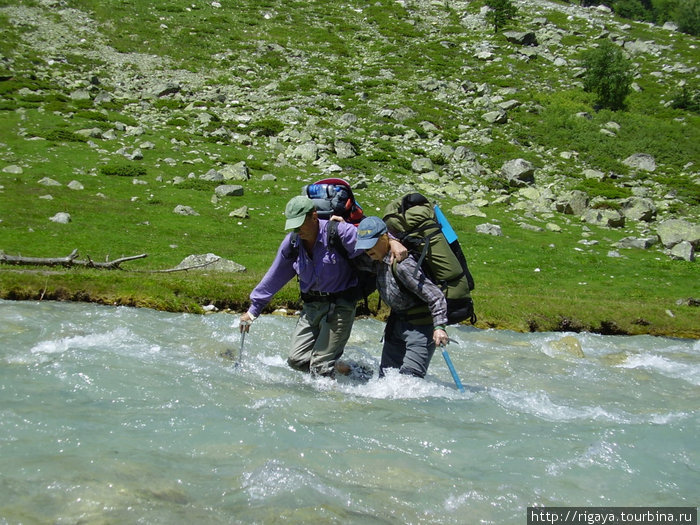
395,126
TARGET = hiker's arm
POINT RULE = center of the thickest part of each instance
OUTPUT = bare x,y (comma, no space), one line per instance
424,289
280,273
398,250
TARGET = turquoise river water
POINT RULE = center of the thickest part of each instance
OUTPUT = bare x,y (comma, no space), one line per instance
122,415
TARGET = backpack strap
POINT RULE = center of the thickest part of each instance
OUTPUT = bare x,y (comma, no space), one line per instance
333,238
292,251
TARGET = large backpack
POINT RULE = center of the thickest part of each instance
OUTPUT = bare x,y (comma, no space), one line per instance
425,232
334,197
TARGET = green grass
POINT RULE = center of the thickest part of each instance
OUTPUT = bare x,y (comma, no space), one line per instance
375,56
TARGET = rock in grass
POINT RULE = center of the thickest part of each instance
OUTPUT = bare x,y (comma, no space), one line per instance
61,218
184,210
13,169
210,261
489,229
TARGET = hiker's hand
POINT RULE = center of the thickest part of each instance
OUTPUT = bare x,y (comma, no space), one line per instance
245,321
337,218
440,337
398,250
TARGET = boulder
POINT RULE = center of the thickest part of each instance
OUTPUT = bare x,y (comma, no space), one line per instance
422,165
229,190
307,151
184,210
13,169
640,161
683,251
467,210
213,176
521,38
639,209
489,229
518,172
568,345
210,261
344,150
61,218
498,116
604,218
637,243
572,203
675,231
236,172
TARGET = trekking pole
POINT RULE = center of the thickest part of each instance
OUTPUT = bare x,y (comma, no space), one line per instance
452,368
243,332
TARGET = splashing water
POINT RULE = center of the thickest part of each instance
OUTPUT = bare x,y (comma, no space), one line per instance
126,415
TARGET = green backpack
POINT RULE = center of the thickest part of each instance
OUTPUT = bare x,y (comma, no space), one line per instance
425,232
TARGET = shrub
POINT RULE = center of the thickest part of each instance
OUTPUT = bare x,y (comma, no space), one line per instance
63,135
267,127
608,75
123,170
603,188
686,98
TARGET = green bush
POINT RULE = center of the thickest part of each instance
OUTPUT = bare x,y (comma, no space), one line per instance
267,127
603,188
608,75
123,170
686,98
63,135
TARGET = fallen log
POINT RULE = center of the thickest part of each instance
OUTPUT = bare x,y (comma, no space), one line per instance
67,261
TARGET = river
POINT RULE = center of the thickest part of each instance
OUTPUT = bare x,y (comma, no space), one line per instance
123,415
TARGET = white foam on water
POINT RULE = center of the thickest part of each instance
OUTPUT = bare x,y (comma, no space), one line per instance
539,404
665,366
274,479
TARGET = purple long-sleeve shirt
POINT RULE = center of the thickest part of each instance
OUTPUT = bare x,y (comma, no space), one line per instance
325,271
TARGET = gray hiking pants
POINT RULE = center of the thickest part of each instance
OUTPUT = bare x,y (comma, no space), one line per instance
407,346
320,335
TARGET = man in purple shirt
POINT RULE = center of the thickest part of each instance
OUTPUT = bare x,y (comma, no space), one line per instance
327,281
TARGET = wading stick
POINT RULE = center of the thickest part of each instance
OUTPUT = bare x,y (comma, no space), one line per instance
452,368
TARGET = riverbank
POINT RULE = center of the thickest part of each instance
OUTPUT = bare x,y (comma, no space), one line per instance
530,310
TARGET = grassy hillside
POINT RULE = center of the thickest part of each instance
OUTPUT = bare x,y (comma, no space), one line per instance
201,86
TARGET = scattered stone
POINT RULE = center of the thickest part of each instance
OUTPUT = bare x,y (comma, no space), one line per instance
572,203
641,161
61,218
422,165
75,185
604,218
229,190
637,243
184,210
683,251
13,169
209,262
467,210
518,172
489,229
674,231
240,213
236,172
639,209
46,181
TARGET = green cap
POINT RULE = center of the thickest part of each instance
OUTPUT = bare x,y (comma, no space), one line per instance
296,211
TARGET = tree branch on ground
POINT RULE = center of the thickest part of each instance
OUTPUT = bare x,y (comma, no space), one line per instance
67,261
